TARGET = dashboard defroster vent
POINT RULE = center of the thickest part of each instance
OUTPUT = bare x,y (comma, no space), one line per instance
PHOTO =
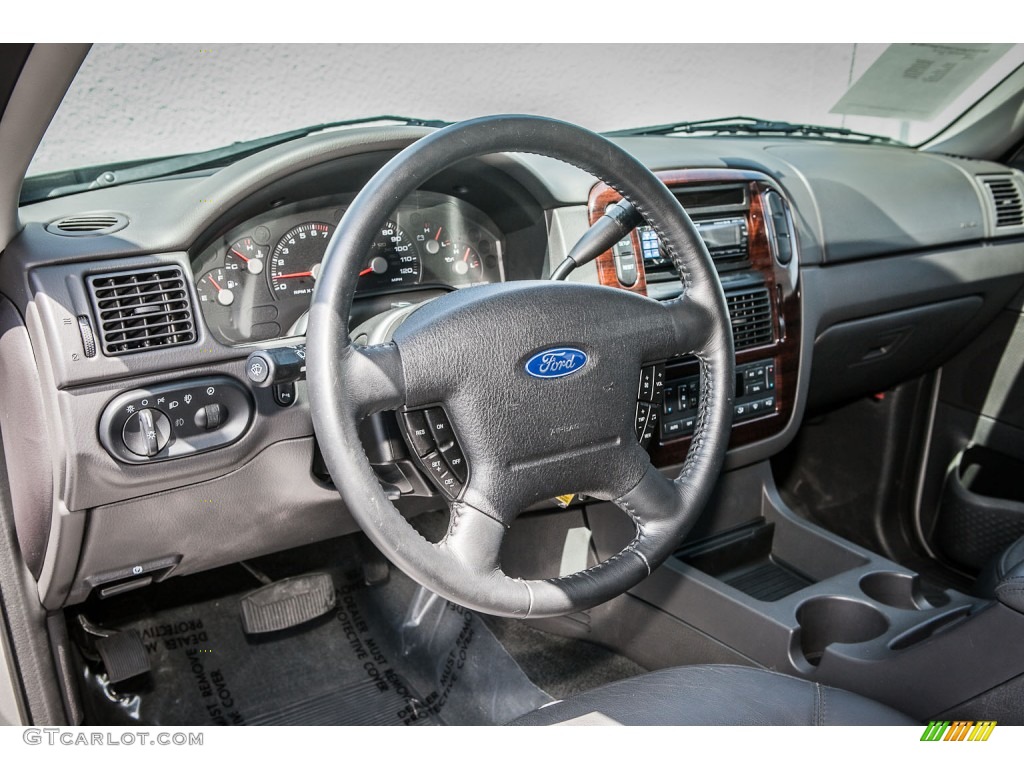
142,309
88,224
1006,200
750,312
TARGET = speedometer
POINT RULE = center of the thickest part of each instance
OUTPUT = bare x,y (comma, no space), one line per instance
392,261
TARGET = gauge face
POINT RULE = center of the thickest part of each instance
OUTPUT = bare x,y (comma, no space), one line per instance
246,258
218,288
463,260
435,238
391,262
295,264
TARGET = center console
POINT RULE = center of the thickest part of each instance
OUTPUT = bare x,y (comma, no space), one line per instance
747,226
754,583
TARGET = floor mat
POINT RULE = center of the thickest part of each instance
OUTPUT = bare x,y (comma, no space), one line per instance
388,655
562,666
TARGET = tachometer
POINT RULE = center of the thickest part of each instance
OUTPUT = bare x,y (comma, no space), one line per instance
392,260
295,263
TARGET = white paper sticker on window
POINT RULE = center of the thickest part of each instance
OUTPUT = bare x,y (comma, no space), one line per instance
916,81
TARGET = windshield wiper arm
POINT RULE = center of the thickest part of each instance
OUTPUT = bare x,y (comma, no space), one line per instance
751,125
211,158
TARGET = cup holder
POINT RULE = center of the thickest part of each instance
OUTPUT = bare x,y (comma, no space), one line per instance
902,590
827,620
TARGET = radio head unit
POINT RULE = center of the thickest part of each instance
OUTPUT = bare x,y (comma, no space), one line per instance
726,240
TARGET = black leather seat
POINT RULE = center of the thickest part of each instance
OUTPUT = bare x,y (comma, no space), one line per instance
1003,578
717,695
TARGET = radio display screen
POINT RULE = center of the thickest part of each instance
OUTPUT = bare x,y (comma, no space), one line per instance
723,237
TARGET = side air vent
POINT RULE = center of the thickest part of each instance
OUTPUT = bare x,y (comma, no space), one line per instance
1004,194
142,309
88,224
751,314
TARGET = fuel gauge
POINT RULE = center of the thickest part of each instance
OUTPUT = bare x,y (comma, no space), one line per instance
217,288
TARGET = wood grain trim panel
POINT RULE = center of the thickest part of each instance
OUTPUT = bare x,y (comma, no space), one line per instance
783,287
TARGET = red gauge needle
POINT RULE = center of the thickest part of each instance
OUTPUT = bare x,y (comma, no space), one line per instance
293,274
438,233
215,284
239,255
366,271
465,256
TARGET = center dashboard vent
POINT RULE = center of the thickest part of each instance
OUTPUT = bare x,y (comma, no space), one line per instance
142,309
88,224
1005,196
750,312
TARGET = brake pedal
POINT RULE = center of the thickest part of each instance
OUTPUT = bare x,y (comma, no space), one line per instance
287,603
123,655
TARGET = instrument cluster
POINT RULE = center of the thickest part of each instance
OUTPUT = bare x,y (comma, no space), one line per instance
256,282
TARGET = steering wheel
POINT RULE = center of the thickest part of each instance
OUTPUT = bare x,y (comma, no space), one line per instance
525,438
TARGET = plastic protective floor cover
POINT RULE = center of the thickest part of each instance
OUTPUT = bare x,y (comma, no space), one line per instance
387,655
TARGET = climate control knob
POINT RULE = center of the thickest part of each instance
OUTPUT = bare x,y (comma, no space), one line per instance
146,432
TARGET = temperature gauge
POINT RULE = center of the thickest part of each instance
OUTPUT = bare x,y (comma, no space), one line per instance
246,257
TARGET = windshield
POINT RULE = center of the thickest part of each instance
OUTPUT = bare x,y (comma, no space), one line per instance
137,102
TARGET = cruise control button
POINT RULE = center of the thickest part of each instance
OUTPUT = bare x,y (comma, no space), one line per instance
451,485
438,469
439,425
419,434
456,461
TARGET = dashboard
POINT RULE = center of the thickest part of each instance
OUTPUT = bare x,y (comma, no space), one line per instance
255,282
847,268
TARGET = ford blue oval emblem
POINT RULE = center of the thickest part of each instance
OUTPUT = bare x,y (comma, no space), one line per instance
555,363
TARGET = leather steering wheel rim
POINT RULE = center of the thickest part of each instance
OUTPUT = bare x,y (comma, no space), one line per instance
571,434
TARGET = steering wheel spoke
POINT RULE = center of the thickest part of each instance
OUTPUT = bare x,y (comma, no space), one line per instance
473,541
375,378
687,330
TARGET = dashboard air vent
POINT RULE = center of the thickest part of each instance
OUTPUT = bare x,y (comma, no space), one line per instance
750,311
88,224
142,309
1006,201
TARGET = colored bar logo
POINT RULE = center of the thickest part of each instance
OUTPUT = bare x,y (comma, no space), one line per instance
958,730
